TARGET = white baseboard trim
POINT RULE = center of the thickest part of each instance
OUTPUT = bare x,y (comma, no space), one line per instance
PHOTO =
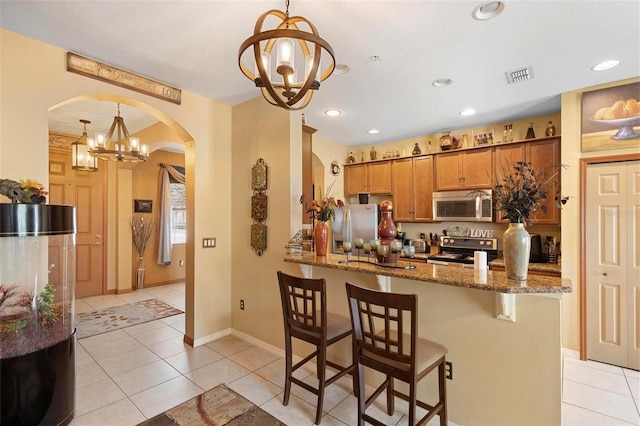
211,337
267,347
570,353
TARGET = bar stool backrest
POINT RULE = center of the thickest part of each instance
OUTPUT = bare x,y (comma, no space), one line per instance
385,329
304,306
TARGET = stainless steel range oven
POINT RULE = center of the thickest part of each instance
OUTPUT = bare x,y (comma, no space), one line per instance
460,250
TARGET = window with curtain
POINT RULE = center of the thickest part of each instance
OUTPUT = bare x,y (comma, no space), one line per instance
178,213
173,212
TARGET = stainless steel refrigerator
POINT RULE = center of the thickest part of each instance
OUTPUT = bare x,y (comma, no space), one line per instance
355,221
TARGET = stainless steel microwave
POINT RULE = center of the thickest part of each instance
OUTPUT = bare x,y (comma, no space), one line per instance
463,206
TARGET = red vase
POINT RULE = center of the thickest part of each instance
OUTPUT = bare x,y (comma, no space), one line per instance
321,235
387,231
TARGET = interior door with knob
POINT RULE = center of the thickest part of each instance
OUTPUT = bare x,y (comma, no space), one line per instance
85,191
613,263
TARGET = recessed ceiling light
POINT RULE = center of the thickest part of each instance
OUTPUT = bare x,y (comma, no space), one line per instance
341,69
373,131
606,65
487,10
441,82
333,112
467,112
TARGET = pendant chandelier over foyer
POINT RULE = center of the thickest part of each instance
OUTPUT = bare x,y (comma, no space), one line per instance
127,150
294,89
81,160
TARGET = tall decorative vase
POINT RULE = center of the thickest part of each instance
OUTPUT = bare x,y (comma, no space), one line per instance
516,245
321,235
387,231
140,274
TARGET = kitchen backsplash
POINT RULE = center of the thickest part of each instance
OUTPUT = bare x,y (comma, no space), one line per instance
413,230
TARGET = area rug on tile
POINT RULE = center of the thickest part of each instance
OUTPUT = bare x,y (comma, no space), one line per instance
91,323
218,406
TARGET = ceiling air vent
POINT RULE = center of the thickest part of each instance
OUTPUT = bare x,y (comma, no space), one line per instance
519,75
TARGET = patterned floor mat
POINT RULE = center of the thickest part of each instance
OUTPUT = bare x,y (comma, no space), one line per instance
218,406
96,322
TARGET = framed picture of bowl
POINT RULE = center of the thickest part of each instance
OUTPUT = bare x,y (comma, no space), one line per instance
611,118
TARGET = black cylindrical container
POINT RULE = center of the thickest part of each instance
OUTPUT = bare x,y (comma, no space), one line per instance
37,328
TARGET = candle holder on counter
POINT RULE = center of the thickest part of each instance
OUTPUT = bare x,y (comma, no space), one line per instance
346,248
358,242
410,252
367,251
396,247
381,253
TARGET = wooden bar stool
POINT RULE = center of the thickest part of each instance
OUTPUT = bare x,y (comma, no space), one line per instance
304,309
385,333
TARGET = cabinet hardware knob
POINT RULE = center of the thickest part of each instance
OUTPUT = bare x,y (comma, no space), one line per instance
98,243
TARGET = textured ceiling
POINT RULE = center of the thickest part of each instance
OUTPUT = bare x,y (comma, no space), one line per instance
194,45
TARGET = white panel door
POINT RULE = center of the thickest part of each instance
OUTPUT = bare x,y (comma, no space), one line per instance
612,263
633,254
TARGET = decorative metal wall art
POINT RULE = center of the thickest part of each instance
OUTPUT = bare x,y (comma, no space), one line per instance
259,207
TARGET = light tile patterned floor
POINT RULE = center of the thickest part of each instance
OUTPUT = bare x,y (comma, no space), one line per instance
129,375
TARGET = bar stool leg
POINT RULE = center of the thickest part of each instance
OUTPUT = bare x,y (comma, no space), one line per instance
412,403
391,402
442,381
288,369
321,370
361,395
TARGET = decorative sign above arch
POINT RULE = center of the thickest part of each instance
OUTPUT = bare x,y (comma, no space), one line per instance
119,77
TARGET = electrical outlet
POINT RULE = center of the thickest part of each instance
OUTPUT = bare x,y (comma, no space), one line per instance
181,263
448,370
242,304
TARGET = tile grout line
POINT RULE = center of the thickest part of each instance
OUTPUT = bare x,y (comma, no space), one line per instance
632,397
597,412
600,389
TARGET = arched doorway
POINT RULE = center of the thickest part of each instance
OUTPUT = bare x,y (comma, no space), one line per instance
114,242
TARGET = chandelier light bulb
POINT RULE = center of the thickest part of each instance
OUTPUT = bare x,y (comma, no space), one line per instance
135,144
100,140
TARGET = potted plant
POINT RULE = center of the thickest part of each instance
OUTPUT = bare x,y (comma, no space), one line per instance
520,193
322,211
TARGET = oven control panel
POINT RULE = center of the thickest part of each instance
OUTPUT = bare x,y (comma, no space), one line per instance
469,242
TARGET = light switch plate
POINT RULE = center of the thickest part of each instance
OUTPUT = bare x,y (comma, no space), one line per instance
209,242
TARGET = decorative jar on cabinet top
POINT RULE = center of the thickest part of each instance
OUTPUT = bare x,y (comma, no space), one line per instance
446,141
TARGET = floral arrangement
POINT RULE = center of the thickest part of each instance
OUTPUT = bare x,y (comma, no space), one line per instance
27,191
520,194
324,210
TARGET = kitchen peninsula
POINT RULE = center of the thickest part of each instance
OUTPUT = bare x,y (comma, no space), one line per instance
504,372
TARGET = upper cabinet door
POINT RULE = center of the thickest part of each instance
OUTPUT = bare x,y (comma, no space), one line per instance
380,177
469,169
448,171
355,179
477,166
544,157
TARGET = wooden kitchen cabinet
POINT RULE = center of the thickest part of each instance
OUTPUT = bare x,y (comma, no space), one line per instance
469,169
412,188
544,156
373,178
